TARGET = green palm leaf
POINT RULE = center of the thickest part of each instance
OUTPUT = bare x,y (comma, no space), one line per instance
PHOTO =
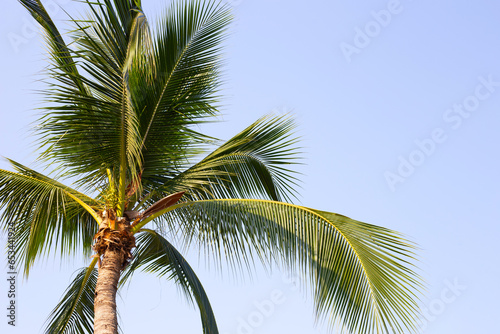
360,273
155,254
61,54
140,95
187,58
75,311
253,163
45,213
98,129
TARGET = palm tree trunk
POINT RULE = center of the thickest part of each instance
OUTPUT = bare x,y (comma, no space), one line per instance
105,319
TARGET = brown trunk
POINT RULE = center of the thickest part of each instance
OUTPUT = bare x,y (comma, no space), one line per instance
105,320
113,244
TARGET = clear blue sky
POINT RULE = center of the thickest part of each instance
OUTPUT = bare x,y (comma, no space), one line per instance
398,104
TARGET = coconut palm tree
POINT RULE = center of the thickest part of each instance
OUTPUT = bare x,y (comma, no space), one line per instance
124,102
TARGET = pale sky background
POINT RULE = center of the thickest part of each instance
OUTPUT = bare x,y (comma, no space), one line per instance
364,104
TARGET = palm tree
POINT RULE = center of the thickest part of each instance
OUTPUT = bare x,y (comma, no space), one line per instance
123,105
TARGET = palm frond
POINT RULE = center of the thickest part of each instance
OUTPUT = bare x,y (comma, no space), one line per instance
45,213
90,130
60,52
138,54
123,97
75,312
68,90
141,94
154,254
187,50
254,163
361,275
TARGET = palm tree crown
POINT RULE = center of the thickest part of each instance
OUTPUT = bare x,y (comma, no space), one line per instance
123,104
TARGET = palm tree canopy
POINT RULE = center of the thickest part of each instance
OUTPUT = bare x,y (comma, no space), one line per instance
124,105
